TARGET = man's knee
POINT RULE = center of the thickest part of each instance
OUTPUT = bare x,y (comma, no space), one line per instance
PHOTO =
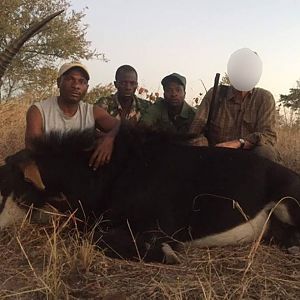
267,152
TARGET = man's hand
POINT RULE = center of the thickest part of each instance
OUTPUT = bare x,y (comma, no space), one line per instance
235,144
199,141
102,152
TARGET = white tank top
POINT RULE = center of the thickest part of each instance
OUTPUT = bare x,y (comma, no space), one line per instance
55,120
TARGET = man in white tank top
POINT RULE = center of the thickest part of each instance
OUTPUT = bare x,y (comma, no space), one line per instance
68,112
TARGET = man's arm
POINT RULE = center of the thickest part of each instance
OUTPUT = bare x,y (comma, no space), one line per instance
34,125
236,144
110,125
105,122
265,132
198,125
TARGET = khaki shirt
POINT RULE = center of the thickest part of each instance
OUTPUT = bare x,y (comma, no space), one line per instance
157,117
251,118
112,105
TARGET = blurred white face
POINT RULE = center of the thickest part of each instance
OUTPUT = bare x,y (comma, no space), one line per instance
244,69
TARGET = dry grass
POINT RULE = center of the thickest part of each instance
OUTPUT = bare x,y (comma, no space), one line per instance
40,263
55,262
12,127
289,147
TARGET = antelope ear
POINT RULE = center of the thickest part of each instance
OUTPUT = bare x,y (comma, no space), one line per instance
32,174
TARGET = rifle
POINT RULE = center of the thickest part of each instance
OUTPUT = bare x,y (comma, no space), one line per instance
213,105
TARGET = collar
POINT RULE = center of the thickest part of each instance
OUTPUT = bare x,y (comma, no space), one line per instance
135,104
232,93
184,110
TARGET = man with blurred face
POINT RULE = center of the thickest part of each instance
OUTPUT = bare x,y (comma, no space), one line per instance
241,116
172,113
240,120
125,105
68,112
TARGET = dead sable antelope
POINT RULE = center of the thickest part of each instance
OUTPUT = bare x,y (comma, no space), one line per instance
161,194
156,192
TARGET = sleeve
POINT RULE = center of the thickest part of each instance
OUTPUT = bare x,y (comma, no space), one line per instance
150,116
265,133
103,102
144,105
199,123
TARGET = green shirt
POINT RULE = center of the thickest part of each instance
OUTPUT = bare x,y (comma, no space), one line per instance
112,105
157,117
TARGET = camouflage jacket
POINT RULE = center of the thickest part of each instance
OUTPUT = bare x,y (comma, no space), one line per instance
112,105
157,117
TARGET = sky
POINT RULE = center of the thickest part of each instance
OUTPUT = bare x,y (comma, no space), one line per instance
194,38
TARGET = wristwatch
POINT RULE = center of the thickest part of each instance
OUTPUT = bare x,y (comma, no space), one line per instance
242,141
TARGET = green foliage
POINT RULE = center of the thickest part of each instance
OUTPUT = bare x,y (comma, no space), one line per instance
197,100
145,94
99,91
63,38
225,80
292,100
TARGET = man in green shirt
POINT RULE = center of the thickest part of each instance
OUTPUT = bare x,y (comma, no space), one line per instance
172,113
125,105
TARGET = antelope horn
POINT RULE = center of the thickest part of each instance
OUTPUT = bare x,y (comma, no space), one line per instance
13,48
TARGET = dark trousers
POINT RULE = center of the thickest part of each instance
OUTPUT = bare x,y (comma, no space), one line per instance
267,151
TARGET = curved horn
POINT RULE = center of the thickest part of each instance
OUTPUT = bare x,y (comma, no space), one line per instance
13,48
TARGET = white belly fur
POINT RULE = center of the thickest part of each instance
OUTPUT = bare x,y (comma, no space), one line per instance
246,232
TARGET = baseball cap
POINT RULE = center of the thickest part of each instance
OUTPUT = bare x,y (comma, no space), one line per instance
68,66
174,77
